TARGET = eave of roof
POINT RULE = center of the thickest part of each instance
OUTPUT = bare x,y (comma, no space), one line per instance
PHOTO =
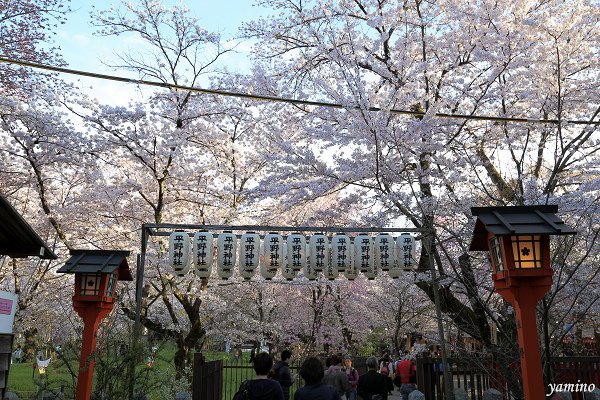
98,261
517,220
17,237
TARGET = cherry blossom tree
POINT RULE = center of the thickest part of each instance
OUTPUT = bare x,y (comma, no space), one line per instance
26,31
42,173
180,156
534,61
186,157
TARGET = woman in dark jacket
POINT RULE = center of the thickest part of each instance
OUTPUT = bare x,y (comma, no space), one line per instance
372,385
261,387
312,371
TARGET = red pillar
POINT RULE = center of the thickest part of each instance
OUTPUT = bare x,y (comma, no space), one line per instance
92,314
524,297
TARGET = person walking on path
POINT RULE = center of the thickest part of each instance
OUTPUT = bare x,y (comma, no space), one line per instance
372,385
385,369
312,371
353,376
261,387
336,377
281,373
407,370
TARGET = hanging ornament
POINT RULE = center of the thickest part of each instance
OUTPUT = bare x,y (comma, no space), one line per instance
179,253
406,252
272,255
363,255
249,254
202,254
385,251
342,250
226,254
319,256
296,251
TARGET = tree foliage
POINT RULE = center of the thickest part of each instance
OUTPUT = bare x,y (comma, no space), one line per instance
183,157
26,31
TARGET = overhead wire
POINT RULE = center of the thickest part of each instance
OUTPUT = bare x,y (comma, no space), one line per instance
216,92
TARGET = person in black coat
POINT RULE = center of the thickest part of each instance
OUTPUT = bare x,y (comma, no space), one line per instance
372,385
312,371
282,374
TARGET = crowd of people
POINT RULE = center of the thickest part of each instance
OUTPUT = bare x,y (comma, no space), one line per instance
336,380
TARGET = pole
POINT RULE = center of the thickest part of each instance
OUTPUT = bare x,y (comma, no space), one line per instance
448,383
91,316
524,299
529,348
139,282
547,367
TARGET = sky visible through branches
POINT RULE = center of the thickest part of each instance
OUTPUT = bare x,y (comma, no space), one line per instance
85,51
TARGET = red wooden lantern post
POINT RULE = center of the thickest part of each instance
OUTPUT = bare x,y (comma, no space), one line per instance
518,241
96,275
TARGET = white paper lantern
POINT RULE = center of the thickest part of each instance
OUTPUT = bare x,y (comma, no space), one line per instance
179,253
385,251
406,252
396,270
271,255
330,271
351,272
309,273
286,270
341,247
266,273
202,254
296,251
363,255
309,270
249,254
319,254
226,254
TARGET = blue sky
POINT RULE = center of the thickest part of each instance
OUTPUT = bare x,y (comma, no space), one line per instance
84,51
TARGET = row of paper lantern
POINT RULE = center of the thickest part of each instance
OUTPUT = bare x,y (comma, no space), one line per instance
340,254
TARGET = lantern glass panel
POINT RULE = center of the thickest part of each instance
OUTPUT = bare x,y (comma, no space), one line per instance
496,250
527,251
90,284
110,285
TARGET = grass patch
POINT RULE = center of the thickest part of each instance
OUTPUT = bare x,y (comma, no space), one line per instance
21,381
159,381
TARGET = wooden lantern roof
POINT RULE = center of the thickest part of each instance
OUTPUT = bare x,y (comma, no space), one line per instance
516,220
98,261
17,237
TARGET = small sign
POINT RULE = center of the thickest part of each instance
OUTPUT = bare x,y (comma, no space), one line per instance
8,307
5,306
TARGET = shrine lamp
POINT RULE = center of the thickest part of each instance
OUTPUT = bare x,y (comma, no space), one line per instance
518,242
97,273
517,238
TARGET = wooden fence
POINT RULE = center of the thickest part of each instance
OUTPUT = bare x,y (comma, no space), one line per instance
473,377
220,380
583,370
207,383
217,380
476,375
